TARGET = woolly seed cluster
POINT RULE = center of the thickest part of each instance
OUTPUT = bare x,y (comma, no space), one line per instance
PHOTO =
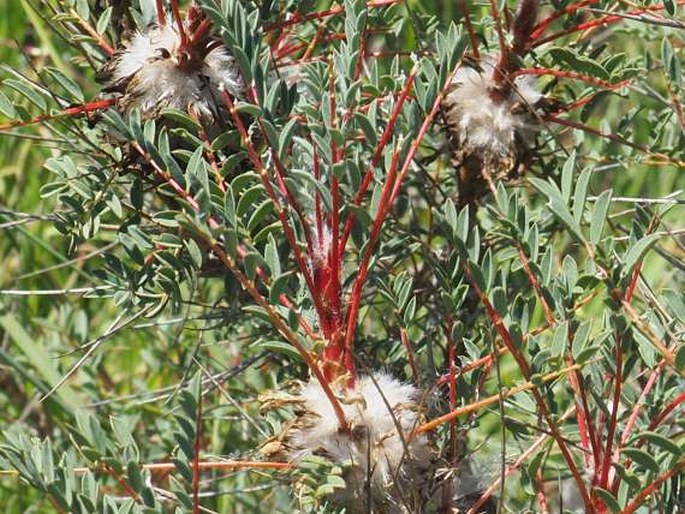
491,126
154,71
377,452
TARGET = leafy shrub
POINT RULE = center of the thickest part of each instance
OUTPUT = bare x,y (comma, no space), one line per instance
269,199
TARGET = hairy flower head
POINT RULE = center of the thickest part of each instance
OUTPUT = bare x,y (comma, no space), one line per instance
483,117
378,451
159,68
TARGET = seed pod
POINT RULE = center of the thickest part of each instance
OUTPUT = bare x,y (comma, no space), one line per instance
161,68
384,464
491,128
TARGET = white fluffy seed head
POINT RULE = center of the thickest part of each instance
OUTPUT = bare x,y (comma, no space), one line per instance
377,450
484,121
152,73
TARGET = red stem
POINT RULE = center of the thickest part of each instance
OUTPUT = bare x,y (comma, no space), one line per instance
618,381
226,465
592,431
575,379
69,111
570,75
633,282
669,408
524,21
335,355
161,17
466,13
498,75
601,21
201,31
383,206
297,19
282,186
282,215
549,315
630,425
410,356
179,23
541,495
315,41
642,496
280,325
104,45
498,323
613,137
166,177
378,154
558,13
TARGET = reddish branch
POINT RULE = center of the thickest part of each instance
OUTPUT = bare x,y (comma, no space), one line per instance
599,22
582,414
70,111
633,282
161,16
558,13
165,176
469,28
167,467
337,352
630,424
104,45
498,323
280,325
123,483
549,315
571,75
410,356
658,481
499,75
176,14
613,137
384,205
297,18
664,413
524,21
377,155
490,400
280,211
618,382
666,353
280,180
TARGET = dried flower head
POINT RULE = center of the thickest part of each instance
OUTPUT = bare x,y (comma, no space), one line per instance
177,66
377,451
492,126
